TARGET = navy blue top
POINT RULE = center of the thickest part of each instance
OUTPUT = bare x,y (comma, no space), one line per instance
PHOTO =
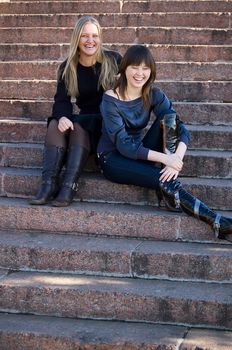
90,95
124,123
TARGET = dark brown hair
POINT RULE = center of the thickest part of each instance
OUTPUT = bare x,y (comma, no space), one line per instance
134,56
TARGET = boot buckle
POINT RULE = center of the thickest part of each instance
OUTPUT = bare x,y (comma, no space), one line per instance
216,225
177,199
74,186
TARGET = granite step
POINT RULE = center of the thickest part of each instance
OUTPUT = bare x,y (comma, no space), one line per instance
114,220
219,20
24,183
29,332
192,112
210,164
159,35
175,6
180,71
114,257
47,7
68,295
202,136
191,91
177,53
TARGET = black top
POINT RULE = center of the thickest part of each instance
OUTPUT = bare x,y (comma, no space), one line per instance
90,95
124,123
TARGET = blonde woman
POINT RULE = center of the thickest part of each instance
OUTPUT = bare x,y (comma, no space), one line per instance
84,75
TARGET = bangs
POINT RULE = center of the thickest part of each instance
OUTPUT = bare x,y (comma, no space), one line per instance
137,55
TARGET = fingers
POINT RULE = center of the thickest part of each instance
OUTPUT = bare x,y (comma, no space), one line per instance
65,124
168,174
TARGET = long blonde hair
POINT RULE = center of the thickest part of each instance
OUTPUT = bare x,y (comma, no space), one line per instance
108,68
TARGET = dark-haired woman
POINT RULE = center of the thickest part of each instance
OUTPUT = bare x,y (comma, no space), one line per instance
87,72
131,154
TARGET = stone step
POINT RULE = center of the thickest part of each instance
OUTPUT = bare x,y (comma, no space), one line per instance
47,7
24,183
186,71
211,164
67,295
192,112
159,35
165,53
115,220
191,91
116,257
178,19
175,6
31,332
202,136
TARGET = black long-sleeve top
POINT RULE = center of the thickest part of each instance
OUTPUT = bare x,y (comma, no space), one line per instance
90,95
124,123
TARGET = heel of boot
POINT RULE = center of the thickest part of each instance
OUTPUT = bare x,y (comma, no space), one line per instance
65,196
46,193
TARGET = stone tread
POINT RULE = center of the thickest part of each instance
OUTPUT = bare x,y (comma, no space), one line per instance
113,220
215,19
191,91
197,163
192,112
113,6
31,332
127,35
115,257
202,136
203,53
68,295
24,183
180,71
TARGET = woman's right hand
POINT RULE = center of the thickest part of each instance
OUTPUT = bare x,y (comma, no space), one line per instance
65,124
174,161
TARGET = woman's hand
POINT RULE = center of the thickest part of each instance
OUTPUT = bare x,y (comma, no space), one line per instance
174,161
168,174
65,124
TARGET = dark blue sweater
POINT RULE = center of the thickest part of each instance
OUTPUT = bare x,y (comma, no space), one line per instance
124,123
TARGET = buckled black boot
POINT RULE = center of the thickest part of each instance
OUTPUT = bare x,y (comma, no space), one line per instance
177,197
76,159
53,157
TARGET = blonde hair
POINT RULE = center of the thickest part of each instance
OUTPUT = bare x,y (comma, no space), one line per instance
108,68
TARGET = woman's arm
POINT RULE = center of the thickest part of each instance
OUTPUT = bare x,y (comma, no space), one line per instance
62,105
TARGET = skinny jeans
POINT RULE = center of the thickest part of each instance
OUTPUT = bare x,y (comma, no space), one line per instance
120,169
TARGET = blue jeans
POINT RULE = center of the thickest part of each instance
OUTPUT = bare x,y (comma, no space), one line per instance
120,169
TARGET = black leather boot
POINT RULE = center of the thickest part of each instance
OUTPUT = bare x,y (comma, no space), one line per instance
170,126
76,159
53,157
177,197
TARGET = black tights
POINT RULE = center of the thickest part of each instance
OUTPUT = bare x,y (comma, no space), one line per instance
78,136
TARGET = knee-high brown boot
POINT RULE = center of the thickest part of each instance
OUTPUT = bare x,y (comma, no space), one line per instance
53,157
76,159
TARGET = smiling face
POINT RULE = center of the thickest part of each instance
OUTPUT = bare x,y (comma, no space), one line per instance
89,40
137,75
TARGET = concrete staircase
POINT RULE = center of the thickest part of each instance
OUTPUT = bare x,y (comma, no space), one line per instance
112,271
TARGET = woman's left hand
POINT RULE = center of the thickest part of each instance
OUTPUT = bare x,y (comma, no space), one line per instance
168,173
